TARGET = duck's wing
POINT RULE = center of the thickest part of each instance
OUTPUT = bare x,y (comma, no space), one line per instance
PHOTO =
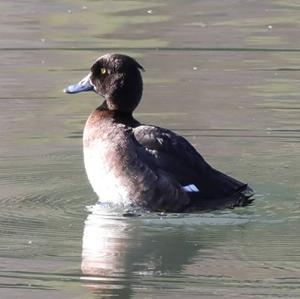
207,187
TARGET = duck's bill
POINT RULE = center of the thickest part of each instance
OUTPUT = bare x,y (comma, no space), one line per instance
83,85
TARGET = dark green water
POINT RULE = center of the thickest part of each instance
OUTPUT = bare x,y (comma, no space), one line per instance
225,74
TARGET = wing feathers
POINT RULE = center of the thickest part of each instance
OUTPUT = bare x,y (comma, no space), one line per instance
177,157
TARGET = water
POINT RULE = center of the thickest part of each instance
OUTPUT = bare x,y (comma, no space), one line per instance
225,74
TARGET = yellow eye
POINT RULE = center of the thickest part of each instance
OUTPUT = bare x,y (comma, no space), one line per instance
103,71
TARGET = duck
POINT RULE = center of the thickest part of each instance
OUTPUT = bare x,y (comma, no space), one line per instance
131,164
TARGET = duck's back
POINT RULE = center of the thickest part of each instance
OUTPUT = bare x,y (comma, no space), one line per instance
207,188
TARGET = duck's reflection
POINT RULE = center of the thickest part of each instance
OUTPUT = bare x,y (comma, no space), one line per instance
105,243
119,252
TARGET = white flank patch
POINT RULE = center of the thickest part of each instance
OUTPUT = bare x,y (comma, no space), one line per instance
190,188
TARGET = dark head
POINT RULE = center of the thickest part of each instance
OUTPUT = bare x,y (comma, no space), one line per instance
117,78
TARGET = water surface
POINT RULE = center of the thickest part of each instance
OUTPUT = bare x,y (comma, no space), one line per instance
225,74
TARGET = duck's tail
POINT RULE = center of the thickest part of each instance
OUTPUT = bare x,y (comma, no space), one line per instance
218,191
240,198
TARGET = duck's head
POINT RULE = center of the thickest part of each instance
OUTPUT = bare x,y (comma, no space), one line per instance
117,78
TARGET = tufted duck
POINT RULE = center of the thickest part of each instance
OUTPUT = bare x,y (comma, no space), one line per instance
132,164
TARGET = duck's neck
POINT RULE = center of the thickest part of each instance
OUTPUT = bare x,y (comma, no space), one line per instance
117,116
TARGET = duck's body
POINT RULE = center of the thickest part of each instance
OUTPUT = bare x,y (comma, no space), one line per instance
127,170
133,164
